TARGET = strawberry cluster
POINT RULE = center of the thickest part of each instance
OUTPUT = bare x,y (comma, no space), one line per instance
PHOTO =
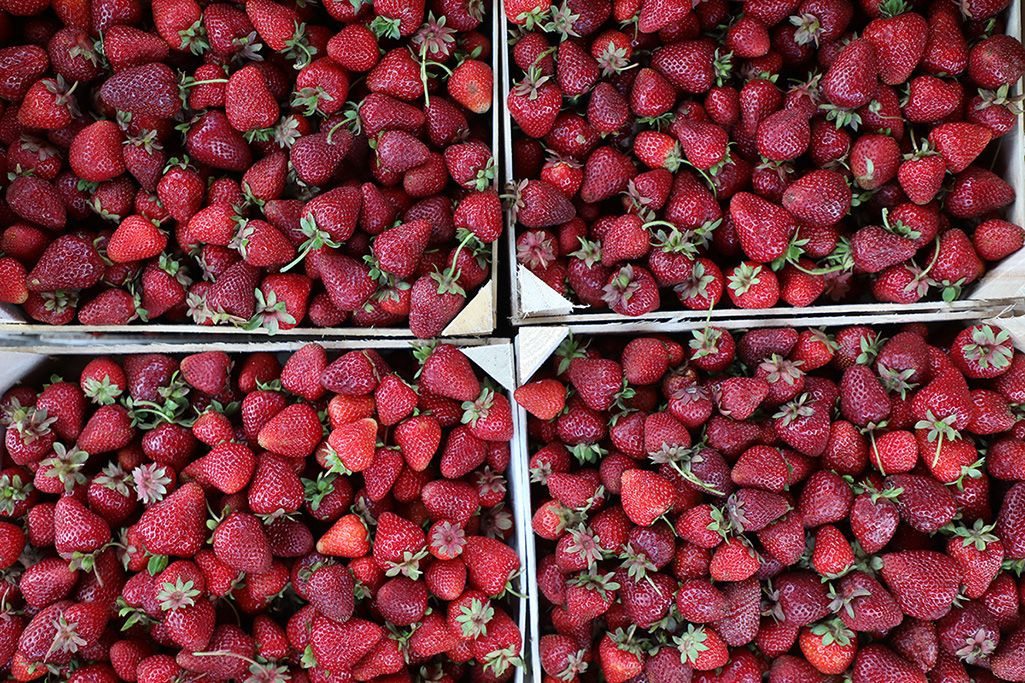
782,503
261,164
218,519
775,152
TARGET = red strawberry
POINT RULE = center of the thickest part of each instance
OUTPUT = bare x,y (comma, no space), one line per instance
994,239
537,204
763,228
976,192
645,496
150,90
545,399
95,153
135,239
227,467
959,143
534,103
399,249
175,525
751,285
471,85
996,61
924,583
77,530
852,78
899,43
293,432
240,542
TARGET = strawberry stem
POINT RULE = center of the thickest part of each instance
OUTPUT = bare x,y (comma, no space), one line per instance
875,449
316,239
935,255
208,81
225,653
455,256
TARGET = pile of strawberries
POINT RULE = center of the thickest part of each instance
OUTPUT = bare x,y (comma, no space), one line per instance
783,502
761,154
263,164
217,519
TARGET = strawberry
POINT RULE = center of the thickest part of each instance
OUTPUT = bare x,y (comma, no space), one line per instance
95,153
537,204
977,553
1010,511
544,399
37,201
249,104
899,41
354,47
959,143
851,79
830,646
996,61
470,84
23,63
921,175
480,213
631,291
534,103
646,496
293,432
994,239
184,511
525,11
214,142
354,443
135,239
239,542
399,249
874,659
447,372
819,198
982,351
690,65
620,658
976,192
227,467
909,572
126,46
764,229
48,104
150,90
606,173
862,398
752,286
701,648
281,29
490,564
875,160
346,538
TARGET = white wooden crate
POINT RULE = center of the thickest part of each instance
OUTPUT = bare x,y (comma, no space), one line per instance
535,303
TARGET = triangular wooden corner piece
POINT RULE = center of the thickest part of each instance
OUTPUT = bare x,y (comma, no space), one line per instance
535,346
537,298
477,317
14,366
1014,326
10,315
496,360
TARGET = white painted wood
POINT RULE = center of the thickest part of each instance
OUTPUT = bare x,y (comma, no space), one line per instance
537,298
536,303
534,346
477,316
498,360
